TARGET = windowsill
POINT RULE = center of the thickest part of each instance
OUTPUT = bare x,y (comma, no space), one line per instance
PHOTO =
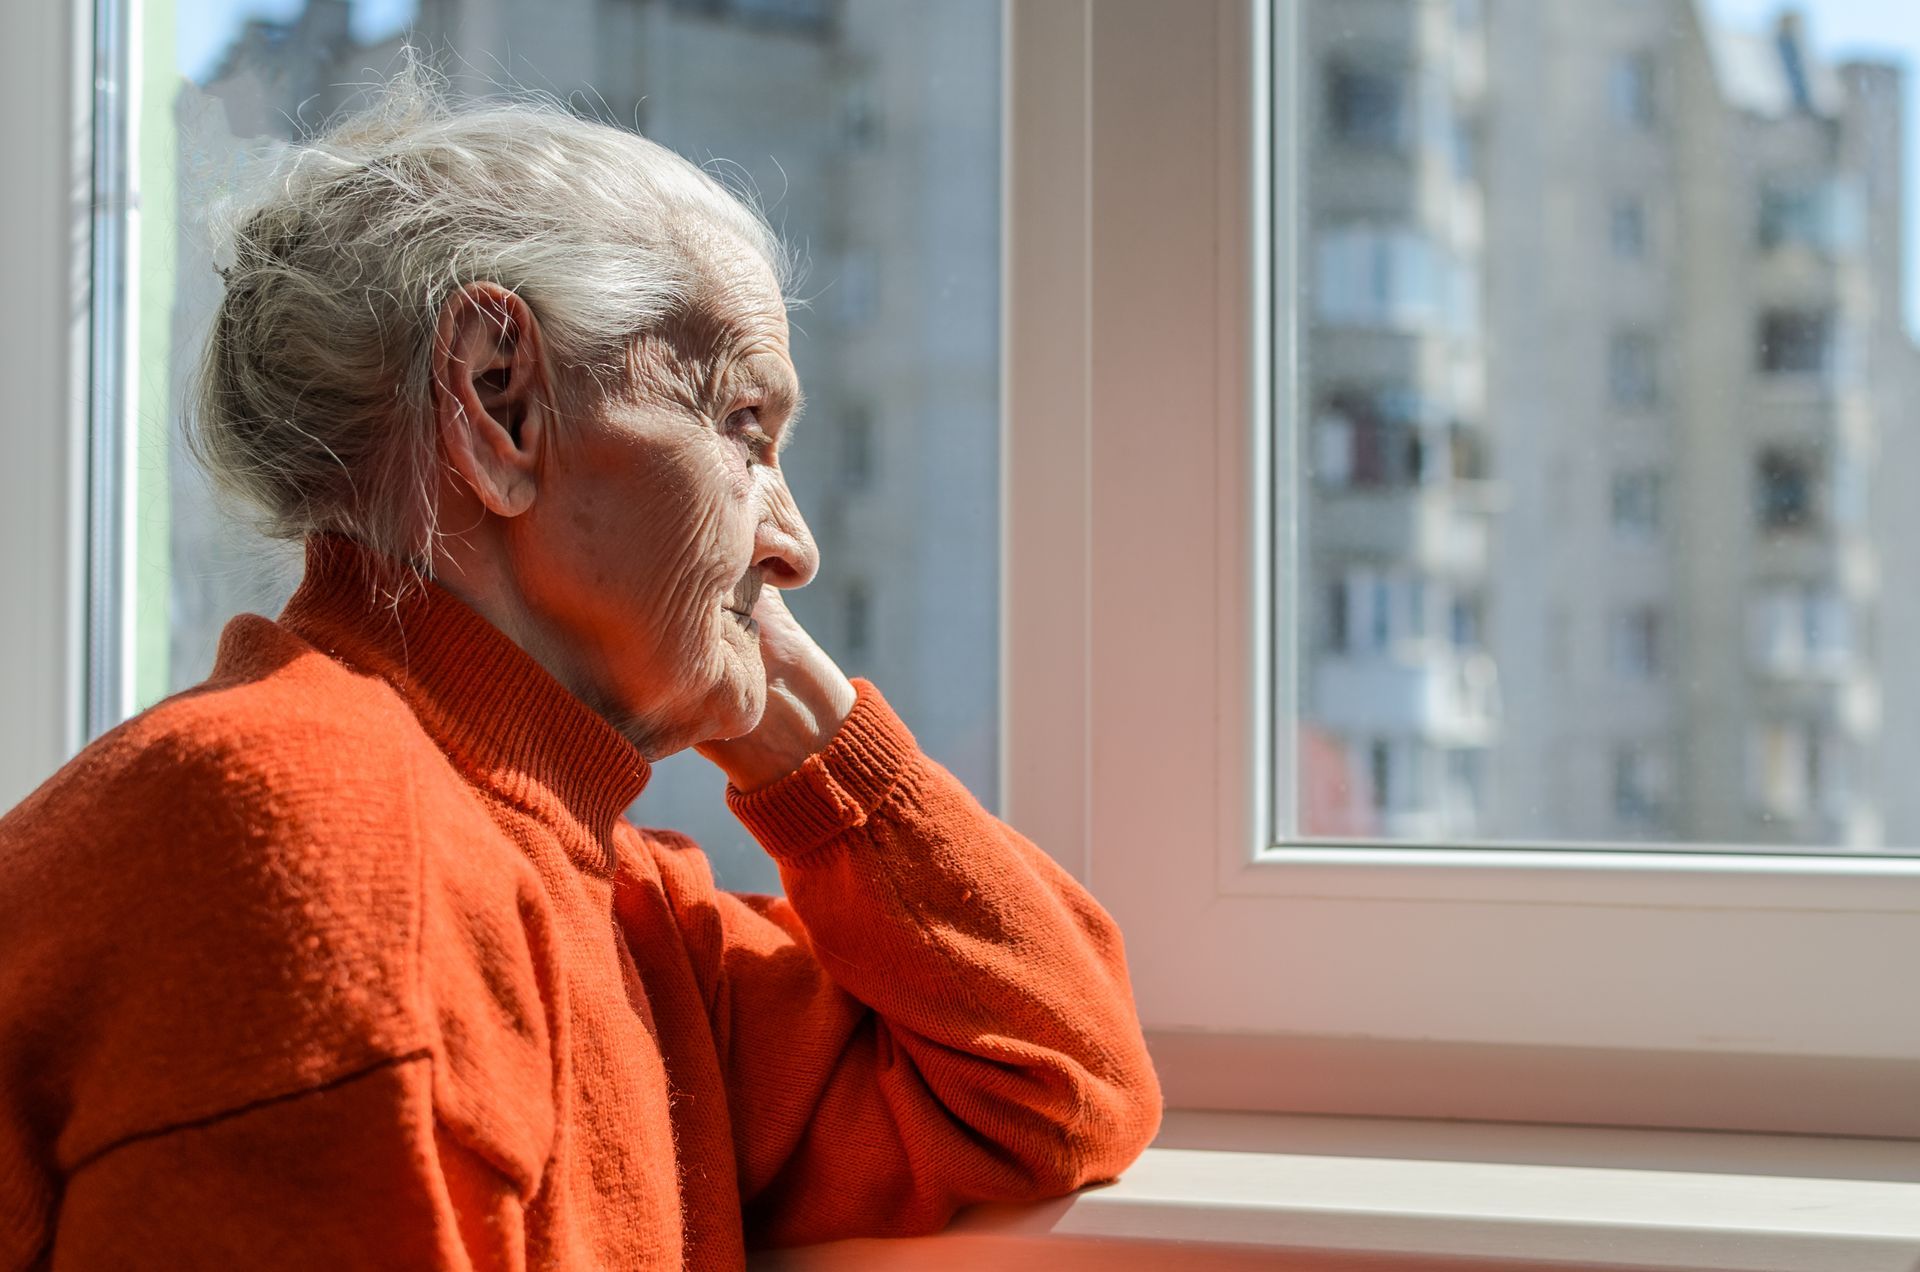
1229,1190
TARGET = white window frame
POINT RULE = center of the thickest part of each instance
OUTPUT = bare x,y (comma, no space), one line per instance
46,86
1591,984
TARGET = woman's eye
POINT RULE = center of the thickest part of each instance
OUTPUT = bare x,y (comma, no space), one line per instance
745,425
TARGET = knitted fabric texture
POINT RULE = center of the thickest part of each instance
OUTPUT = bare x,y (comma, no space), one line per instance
346,958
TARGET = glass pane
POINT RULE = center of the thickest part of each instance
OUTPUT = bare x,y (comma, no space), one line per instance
1608,349
869,130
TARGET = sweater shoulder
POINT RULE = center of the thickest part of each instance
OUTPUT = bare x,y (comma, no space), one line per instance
218,902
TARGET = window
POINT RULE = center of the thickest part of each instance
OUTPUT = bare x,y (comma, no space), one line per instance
1628,229
1797,342
1368,105
914,215
1630,90
807,15
1852,487
1389,438
856,449
1801,630
1822,214
1464,147
1632,375
1565,374
1396,612
1374,276
856,289
1636,643
859,621
1639,787
1385,791
1468,622
1636,503
1787,494
1797,769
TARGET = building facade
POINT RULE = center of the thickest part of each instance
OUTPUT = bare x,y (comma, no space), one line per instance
1638,279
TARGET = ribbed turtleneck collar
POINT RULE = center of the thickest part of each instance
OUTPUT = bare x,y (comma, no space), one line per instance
499,714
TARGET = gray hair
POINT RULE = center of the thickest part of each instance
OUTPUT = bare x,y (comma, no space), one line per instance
314,397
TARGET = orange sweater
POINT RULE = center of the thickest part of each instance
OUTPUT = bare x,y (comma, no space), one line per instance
347,959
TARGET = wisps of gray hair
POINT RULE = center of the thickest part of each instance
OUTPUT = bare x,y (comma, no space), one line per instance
314,395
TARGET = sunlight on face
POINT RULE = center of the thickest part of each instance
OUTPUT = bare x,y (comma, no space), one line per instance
663,514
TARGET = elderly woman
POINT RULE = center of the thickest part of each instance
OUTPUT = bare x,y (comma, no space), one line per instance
346,957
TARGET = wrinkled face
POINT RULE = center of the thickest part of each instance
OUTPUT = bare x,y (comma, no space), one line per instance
663,513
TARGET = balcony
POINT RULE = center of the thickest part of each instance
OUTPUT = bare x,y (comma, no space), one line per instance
1445,697
1441,527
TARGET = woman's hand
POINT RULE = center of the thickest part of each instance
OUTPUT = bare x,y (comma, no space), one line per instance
808,699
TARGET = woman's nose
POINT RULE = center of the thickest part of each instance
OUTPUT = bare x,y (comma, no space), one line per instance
783,547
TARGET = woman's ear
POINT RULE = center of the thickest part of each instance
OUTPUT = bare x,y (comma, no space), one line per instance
491,402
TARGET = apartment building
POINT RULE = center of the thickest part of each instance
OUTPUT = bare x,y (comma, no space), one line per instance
1398,509
1654,539
1798,354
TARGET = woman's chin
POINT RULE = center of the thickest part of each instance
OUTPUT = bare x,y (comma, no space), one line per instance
745,694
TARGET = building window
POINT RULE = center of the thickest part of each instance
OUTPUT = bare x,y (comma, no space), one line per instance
1797,768
1388,438
1466,777
857,290
809,16
1466,621
1636,643
1399,773
1380,614
1464,148
860,118
1797,342
1822,214
1381,786
1630,90
1374,611
1636,503
859,621
856,448
1798,629
1368,105
1849,500
1777,770
1632,375
1627,231
1786,491
1372,276
1639,785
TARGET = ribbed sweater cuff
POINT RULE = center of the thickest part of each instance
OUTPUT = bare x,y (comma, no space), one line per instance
834,790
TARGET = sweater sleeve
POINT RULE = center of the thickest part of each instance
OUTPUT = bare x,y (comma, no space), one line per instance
936,1014
352,1175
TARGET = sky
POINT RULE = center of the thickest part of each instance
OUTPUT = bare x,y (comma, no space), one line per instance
203,28
1883,30
1887,30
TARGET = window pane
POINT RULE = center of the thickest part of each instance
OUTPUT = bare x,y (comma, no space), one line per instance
1606,347
869,130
